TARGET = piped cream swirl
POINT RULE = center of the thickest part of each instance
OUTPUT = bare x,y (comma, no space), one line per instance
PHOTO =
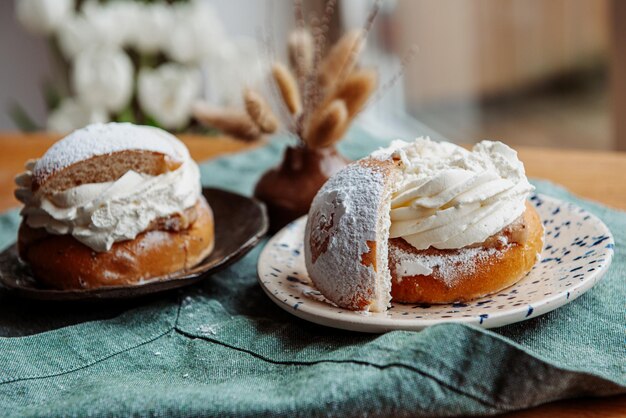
100,214
451,197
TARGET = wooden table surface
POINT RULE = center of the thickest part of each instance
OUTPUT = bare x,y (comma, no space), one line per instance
599,176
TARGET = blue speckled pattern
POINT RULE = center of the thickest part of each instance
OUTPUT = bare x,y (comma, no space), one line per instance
578,249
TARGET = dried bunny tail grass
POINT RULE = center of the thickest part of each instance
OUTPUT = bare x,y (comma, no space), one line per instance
371,17
356,90
233,122
288,88
260,112
298,13
357,48
301,49
285,119
311,89
329,10
319,37
341,57
328,125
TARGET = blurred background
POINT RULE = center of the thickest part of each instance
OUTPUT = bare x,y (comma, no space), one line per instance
528,72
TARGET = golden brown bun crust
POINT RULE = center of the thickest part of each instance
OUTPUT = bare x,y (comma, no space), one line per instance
61,262
488,276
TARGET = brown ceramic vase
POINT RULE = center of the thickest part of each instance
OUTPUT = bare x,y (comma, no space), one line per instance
288,189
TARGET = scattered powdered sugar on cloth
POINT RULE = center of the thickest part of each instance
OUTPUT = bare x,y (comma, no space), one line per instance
207,329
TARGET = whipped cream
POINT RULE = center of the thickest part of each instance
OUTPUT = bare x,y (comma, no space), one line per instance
100,214
452,198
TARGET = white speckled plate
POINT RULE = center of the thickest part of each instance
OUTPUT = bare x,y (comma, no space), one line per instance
577,252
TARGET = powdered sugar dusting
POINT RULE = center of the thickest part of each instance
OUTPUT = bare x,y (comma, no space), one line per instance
343,217
102,139
447,267
577,252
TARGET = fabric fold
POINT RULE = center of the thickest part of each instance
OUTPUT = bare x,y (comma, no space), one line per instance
223,348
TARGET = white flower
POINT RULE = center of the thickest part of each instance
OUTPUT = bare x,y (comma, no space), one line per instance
103,78
76,35
108,20
97,25
239,63
167,93
72,115
149,26
43,16
196,33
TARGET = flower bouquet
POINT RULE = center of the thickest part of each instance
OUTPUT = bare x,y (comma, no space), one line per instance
138,61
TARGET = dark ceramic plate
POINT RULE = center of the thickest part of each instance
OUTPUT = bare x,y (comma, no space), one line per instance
240,223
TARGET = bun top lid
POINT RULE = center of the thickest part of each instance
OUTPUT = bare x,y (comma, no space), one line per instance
99,211
107,138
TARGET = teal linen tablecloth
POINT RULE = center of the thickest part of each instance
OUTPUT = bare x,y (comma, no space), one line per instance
223,348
